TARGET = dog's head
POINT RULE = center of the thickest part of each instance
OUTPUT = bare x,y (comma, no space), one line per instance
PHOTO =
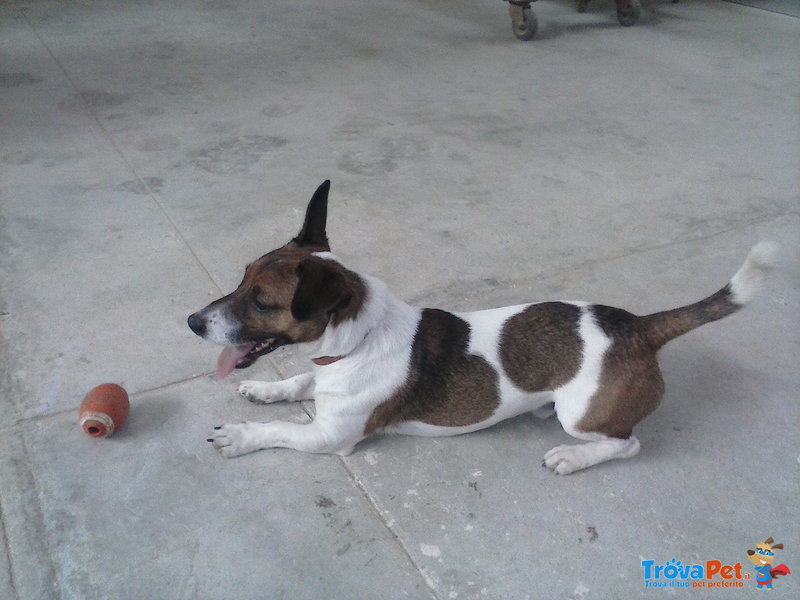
764,554
288,296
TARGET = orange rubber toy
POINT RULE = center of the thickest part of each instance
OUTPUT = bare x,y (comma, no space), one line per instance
104,410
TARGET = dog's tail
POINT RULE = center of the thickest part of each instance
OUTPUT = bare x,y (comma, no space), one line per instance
659,328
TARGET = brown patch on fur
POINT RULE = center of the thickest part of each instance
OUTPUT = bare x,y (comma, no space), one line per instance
326,287
445,386
631,385
540,347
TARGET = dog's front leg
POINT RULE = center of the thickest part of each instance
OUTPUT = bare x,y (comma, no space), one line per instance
299,387
319,437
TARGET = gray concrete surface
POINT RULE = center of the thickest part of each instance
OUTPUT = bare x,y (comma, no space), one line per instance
149,150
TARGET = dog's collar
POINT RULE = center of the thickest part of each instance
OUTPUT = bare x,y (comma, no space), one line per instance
324,361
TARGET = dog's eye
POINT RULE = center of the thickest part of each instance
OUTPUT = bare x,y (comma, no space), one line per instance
263,306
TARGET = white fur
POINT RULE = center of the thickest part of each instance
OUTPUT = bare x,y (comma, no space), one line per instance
759,262
300,387
221,328
572,399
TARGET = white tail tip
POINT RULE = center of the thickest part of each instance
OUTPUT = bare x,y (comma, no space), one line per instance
760,261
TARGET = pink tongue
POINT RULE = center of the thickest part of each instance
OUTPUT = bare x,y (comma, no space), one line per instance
229,357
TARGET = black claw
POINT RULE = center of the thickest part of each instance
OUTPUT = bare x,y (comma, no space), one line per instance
209,440
218,427
544,465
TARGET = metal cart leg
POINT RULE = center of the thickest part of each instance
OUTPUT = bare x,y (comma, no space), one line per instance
627,10
523,21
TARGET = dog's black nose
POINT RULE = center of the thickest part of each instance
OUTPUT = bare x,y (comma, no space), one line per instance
197,324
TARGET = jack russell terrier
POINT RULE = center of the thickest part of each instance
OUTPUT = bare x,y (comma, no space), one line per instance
382,365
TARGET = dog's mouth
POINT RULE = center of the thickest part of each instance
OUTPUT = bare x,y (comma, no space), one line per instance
241,357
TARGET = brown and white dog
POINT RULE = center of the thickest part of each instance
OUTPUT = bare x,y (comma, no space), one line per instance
382,365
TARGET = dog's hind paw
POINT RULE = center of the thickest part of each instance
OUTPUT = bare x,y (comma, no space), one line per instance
563,460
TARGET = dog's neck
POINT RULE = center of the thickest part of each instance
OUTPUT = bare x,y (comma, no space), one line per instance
342,339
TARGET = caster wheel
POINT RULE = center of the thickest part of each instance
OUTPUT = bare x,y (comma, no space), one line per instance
523,22
629,15
582,5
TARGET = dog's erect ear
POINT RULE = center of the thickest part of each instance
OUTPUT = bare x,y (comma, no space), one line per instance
313,231
321,289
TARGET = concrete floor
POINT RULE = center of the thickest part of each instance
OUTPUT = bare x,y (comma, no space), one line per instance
149,150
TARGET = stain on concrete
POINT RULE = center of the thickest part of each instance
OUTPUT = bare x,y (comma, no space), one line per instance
324,502
593,535
359,127
276,111
45,159
371,457
157,143
366,163
10,80
235,155
93,100
160,49
453,292
141,187
381,157
179,87
474,486
97,99
340,526
580,591
18,159
343,550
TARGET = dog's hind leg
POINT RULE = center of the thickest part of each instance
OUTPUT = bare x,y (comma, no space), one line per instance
300,387
629,389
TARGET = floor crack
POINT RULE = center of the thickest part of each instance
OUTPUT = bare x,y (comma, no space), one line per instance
373,505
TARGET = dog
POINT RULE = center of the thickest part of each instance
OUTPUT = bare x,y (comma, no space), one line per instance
763,557
381,365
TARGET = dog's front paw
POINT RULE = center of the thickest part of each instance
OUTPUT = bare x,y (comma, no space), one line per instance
235,439
260,392
563,460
